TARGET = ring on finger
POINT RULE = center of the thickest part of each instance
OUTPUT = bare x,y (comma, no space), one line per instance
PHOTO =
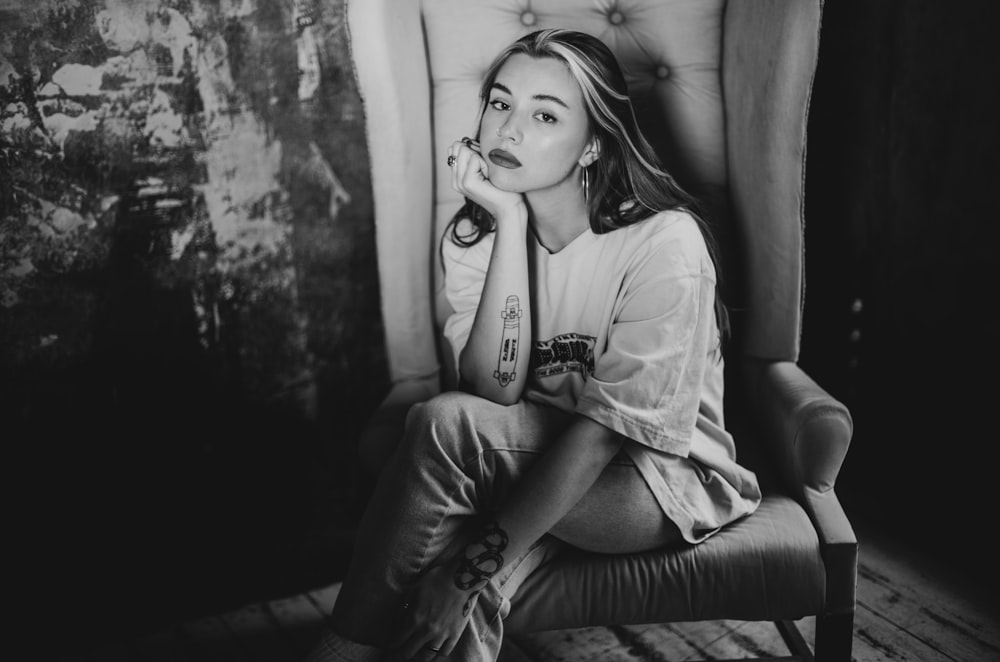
451,160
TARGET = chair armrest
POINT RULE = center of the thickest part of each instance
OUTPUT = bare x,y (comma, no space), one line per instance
839,547
807,432
384,428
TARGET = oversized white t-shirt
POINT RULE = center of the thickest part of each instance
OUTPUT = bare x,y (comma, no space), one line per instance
624,332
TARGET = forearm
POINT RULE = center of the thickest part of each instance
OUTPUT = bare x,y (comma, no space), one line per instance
494,362
541,498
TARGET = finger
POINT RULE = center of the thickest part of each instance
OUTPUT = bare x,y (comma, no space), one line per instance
438,649
413,647
450,153
456,150
476,170
430,652
457,173
458,145
448,647
407,630
472,144
464,161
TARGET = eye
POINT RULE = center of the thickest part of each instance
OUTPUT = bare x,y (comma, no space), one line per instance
546,118
499,105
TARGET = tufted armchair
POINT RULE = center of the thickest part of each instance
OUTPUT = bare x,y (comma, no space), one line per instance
722,89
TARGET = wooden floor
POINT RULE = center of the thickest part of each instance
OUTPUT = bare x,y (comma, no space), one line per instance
907,609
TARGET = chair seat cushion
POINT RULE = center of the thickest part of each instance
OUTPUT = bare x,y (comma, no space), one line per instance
764,567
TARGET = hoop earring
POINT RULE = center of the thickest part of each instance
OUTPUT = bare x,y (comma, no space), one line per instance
586,187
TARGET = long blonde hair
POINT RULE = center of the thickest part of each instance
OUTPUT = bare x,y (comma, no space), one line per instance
627,183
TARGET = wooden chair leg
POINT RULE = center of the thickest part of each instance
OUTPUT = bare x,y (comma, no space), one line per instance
834,637
797,645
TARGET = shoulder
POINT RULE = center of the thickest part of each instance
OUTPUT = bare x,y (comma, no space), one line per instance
453,254
665,226
670,242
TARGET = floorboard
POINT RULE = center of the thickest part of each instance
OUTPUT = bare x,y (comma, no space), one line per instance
894,589
300,619
259,635
210,640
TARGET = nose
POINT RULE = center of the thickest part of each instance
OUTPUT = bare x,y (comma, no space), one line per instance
509,129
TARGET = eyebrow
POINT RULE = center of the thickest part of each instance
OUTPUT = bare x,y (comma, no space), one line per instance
539,97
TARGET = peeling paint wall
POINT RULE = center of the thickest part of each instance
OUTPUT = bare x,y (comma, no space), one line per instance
208,129
187,258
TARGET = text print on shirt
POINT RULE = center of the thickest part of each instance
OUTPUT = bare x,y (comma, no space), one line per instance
568,352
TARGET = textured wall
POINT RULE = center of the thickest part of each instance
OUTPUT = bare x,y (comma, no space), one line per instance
188,290
173,150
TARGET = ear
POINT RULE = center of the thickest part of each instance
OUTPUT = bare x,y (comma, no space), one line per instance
591,152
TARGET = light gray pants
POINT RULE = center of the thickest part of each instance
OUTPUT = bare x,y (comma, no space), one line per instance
460,456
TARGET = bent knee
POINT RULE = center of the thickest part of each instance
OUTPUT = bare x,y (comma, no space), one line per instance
455,423
445,409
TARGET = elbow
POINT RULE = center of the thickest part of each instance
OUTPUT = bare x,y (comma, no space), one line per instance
491,391
606,443
504,399
611,446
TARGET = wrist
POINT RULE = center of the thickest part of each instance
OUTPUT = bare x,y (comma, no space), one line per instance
515,215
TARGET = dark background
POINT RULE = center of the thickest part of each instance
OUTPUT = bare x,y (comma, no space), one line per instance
902,177
159,471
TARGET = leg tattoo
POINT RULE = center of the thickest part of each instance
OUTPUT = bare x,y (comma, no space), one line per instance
477,567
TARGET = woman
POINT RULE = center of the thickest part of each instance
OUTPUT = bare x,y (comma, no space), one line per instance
608,434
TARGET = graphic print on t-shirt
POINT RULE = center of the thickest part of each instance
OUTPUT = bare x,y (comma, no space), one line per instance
567,352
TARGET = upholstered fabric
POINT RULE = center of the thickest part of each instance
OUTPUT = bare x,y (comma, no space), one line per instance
770,51
722,89
732,575
670,52
807,432
387,48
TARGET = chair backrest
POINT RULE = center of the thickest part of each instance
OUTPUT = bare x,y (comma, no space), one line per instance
721,90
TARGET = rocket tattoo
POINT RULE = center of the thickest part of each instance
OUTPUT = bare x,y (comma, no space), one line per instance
511,314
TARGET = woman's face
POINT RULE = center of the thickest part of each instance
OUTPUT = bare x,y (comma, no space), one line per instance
535,129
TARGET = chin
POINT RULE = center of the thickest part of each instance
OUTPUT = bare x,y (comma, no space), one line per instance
506,180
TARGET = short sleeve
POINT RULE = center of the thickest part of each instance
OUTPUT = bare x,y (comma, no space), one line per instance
647,383
464,275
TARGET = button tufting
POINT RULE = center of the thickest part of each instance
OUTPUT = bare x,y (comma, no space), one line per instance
662,72
616,17
528,18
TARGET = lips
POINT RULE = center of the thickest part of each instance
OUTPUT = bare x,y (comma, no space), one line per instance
504,159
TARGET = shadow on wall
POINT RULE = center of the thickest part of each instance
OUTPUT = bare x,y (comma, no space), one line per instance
190,333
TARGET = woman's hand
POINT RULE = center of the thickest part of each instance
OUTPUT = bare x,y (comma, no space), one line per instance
436,615
470,176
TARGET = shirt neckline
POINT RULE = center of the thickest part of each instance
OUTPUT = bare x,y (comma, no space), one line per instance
567,253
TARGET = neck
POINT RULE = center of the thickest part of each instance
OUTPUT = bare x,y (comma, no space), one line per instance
558,215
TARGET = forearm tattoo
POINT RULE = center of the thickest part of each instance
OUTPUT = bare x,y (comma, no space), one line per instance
506,363
476,568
